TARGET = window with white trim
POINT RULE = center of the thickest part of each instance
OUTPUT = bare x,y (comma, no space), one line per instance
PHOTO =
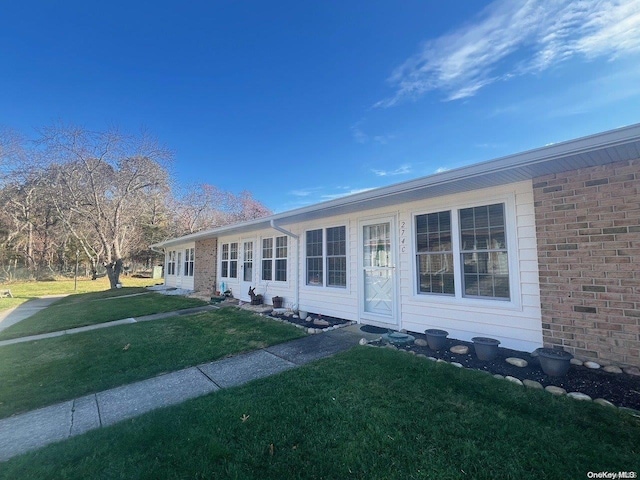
281,259
229,263
481,250
326,251
434,253
267,259
171,262
188,262
274,259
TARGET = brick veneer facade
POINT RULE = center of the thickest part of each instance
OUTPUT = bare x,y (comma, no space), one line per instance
588,230
206,262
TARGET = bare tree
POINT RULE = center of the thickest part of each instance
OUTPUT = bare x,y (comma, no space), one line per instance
100,179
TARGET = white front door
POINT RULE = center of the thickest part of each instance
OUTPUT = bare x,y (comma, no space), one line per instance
378,273
246,273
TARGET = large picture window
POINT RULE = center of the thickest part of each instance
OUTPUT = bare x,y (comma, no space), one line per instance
482,251
326,253
229,263
435,253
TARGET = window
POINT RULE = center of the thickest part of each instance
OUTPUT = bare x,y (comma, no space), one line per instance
483,251
171,262
434,253
229,267
188,262
267,259
326,250
314,257
281,259
274,259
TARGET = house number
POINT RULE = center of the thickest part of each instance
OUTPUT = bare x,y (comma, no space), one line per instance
403,237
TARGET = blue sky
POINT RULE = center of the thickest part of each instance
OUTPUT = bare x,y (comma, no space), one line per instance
299,102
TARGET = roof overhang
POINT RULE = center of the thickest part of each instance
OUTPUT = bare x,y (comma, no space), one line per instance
607,147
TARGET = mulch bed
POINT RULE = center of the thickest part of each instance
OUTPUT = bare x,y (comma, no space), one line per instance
621,389
333,321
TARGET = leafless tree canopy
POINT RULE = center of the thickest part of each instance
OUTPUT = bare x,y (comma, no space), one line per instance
104,196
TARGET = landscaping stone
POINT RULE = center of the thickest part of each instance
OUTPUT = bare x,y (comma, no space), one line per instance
575,361
320,322
533,384
433,359
517,362
513,380
552,389
456,364
363,341
592,365
604,403
439,360
459,349
309,319
579,396
612,369
422,355
635,371
498,376
421,342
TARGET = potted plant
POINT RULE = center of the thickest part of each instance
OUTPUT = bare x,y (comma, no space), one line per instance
486,348
437,339
277,301
554,362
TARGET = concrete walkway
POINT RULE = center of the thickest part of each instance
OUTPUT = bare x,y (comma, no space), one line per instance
35,429
30,307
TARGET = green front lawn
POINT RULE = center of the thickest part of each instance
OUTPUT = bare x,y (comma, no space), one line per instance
365,414
23,291
43,372
98,307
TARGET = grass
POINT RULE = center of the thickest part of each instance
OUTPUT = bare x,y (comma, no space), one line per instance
23,291
39,373
365,414
98,307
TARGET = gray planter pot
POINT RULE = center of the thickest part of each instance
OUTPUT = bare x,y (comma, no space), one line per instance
437,339
554,362
486,348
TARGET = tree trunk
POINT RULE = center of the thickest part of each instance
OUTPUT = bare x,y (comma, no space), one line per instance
114,269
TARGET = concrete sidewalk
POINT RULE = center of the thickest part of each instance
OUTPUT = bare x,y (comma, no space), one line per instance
30,307
35,429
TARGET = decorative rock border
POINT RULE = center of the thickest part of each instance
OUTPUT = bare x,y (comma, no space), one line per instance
552,389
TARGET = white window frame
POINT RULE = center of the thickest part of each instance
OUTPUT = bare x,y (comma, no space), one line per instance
274,259
229,260
325,259
189,260
515,302
171,262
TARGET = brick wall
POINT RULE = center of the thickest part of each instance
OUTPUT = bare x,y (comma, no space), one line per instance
588,229
205,265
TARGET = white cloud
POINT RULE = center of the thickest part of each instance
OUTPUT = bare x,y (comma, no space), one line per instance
401,170
540,33
360,136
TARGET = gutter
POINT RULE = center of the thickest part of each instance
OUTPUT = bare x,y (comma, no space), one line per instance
297,239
